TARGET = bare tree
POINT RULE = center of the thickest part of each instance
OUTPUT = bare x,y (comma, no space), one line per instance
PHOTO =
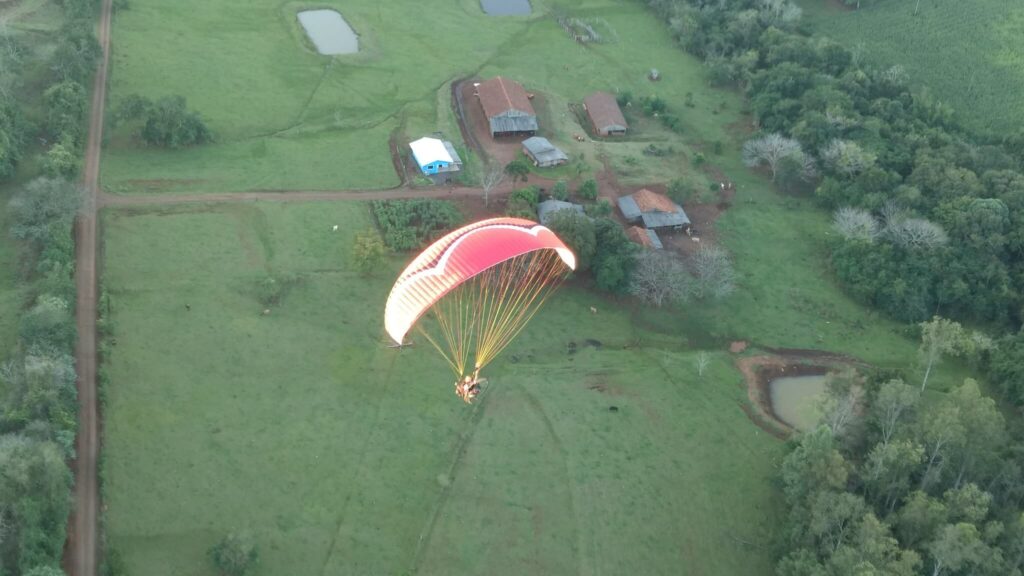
856,224
846,158
659,279
714,276
702,362
891,402
769,149
779,13
917,233
493,175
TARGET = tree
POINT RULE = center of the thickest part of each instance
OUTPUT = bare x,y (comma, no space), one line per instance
35,495
940,337
12,135
659,279
61,160
919,519
522,203
43,205
984,432
702,362
588,190
48,324
957,546
1006,367
839,407
940,431
518,169
368,252
492,177
713,273
814,465
833,514
170,124
235,555
40,387
614,256
769,149
888,470
560,191
892,402
917,233
846,158
45,571
65,109
577,231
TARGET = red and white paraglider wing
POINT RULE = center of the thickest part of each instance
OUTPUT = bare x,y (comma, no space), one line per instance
456,258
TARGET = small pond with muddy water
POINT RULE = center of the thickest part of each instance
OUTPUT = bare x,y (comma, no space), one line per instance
329,32
796,400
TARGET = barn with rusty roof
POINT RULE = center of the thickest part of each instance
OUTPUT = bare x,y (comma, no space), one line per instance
654,210
644,237
605,115
507,107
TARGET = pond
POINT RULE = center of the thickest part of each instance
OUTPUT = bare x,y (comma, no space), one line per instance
506,7
796,400
329,32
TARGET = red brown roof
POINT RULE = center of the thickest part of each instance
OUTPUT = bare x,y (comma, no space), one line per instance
648,201
499,95
639,235
604,111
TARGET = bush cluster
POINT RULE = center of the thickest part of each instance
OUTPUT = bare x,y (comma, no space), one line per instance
410,224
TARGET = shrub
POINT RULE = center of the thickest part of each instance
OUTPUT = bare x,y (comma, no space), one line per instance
522,203
408,224
518,169
680,191
599,209
43,207
235,555
272,289
588,190
48,324
368,252
560,191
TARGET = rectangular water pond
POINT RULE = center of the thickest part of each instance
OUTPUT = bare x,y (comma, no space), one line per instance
796,400
329,32
506,7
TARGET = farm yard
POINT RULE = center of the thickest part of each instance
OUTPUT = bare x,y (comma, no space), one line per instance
982,78
334,451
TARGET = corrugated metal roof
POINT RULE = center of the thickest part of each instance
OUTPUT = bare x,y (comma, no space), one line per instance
629,208
548,207
499,95
649,201
451,152
428,150
653,237
543,151
513,124
665,219
604,112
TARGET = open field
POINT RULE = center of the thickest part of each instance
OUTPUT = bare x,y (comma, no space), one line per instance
968,54
344,456
287,118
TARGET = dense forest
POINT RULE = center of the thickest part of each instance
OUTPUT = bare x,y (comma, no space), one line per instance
38,404
930,221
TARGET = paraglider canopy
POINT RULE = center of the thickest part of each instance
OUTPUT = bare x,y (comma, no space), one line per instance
482,283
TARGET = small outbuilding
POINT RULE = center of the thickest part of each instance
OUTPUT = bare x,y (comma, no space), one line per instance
435,156
507,107
543,152
644,237
605,115
653,210
547,208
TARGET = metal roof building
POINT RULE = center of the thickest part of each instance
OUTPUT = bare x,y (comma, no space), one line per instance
605,114
507,107
548,207
434,155
543,152
644,237
654,210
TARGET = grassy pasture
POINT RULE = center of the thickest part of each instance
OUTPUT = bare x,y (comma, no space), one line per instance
344,456
287,118
968,54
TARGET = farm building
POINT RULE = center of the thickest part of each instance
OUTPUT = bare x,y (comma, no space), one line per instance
543,153
435,156
605,114
507,107
654,210
644,237
548,207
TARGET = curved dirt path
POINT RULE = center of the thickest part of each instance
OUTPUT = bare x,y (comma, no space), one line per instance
83,525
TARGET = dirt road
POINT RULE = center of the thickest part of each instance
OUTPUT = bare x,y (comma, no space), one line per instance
83,526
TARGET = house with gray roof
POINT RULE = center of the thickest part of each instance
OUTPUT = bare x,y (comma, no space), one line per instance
653,210
547,208
543,152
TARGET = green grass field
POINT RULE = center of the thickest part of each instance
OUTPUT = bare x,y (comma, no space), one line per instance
287,118
968,54
344,456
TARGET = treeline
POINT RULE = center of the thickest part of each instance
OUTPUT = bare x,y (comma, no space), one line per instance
893,485
38,399
948,205
62,125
